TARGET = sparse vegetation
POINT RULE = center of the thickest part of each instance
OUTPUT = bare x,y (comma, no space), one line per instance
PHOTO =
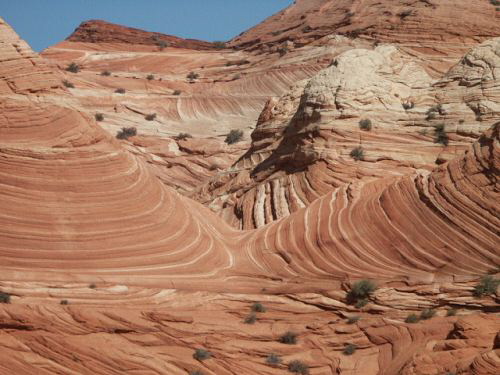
487,285
219,45
405,13
150,77
150,117
192,76
106,73
92,286
298,367
177,92
427,314
433,111
120,91
234,136
412,318
68,84
73,68
126,133
361,290
495,2
451,312
440,135
353,319
357,153
289,338
196,372
251,318
64,302
361,303
184,136
201,354
273,360
162,45
258,307
349,349
282,51
99,117
4,297
408,105
365,124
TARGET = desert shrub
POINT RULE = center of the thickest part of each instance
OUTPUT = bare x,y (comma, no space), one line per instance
495,2
106,73
487,285
120,91
297,367
289,338
236,77
177,92
451,312
126,133
150,117
73,68
365,124
196,372
412,318
201,354
361,303
251,318
4,297
408,105
282,51
357,153
273,360
440,135
234,136
237,62
427,314
405,13
68,84
64,302
258,307
219,45
150,77
349,349
162,45
184,136
361,290
192,76
92,286
99,117
353,319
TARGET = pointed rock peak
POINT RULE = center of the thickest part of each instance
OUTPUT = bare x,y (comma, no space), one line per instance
22,71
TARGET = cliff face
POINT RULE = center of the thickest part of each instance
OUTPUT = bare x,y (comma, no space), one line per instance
97,31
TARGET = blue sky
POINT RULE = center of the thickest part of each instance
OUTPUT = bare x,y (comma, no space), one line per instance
43,23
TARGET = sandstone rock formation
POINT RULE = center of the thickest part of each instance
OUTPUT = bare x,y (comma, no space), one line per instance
108,270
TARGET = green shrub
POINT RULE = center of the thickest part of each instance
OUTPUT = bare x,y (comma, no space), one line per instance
273,360
219,45
150,117
365,124
289,338
106,73
282,51
201,354
4,297
192,76
68,84
92,286
150,77
412,318
126,133
451,312
357,153
440,135
427,314
162,44
99,117
487,285
251,318
184,136
361,303
495,2
297,367
361,290
349,349
258,307
177,92
353,319
120,91
73,68
64,302
234,136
